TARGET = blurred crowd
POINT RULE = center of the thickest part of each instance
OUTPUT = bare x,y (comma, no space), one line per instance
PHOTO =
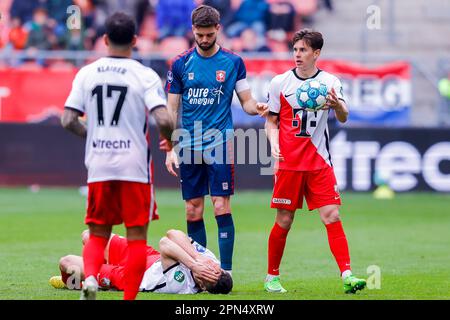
163,25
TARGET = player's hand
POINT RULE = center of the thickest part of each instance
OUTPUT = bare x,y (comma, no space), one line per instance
205,273
171,160
165,145
275,150
332,101
262,109
209,263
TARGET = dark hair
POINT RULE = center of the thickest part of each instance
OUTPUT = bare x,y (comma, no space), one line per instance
205,16
223,285
120,28
312,38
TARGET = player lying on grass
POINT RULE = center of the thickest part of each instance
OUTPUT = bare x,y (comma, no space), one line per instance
182,266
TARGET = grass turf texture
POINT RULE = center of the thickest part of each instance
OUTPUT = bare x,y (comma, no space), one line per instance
408,238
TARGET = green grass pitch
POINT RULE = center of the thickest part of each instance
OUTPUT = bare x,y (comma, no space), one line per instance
408,238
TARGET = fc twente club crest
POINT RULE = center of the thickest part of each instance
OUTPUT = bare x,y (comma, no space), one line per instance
220,75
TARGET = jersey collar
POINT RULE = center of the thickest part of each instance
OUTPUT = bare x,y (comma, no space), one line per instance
298,77
117,57
215,54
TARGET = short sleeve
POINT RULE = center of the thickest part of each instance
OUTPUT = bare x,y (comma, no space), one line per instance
241,80
337,85
274,96
174,82
153,91
75,100
242,72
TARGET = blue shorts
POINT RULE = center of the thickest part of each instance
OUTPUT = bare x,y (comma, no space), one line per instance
205,173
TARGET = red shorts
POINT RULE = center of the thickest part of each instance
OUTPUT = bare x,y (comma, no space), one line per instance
117,202
118,252
111,275
319,187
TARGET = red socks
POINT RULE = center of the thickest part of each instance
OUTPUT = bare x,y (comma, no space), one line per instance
338,245
93,255
134,268
277,242
336,239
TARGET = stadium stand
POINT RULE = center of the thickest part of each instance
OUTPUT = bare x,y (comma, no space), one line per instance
404,26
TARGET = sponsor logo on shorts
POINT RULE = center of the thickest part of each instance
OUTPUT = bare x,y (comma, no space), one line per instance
179,276
224,185
281,201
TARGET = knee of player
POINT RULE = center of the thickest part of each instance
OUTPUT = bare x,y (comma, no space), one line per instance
285,222
84,236
220,206
194,210
331,216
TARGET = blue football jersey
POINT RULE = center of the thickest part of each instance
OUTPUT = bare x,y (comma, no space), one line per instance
206,85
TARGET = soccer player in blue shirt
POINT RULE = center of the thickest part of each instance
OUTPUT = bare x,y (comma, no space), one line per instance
203,79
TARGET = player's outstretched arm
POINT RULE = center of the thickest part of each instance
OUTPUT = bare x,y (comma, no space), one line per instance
173,105
250,105
164,121
70,121
272,131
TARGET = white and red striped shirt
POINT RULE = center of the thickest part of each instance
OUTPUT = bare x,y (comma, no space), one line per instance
303,135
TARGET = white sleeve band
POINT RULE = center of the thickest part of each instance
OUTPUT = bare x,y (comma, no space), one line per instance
242,85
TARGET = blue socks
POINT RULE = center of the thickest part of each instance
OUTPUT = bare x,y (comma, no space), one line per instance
196,230
226,240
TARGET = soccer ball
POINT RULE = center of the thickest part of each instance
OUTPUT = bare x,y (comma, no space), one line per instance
311,95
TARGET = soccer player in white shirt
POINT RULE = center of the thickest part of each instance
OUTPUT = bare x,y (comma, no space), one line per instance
117,94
